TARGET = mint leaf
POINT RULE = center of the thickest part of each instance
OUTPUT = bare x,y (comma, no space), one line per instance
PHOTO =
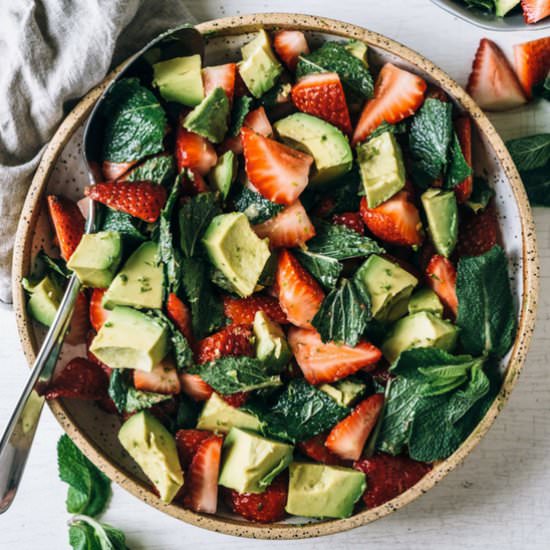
128,227
194,217
481,195
160,169
137,400
56,266
255,206
542,89
183,353
241,107
483,5
486,310
187,414
530,152
86,533
537,185
459,169
383,127
324,269
118,388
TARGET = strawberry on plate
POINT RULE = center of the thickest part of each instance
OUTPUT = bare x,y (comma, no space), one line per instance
180,315
289,228
194,152
236,399
279,172
257,120
162,379
441,278
532,61
234,340
289,46
68,223
463,128
492,82
220,76
241,311
397,95
195,387
188,443
322,95
349,436
478,233
141,199
299,293
98,314
115,170
315,448
351,220
327,362
535,10
80,320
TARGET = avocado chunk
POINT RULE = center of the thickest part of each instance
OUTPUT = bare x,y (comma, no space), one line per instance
180,80
502,7
425,299
251,462
382,169
140,281
421,330
219,416
44,300
224,173
259,68
358,49
321,491
442,215
97,258
130,339
152,446
389,287
209,118
271,345
345,392
236,251
328,146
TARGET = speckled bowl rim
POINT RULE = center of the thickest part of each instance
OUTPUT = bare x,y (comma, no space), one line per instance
238,25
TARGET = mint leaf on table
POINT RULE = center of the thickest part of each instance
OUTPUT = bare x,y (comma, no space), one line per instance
458,169
86,533
537,185
138,400
119,383
183,354
130,106
481,195
241,107
160,169
255,206
194,217
486,310
324,269
530,152
89,488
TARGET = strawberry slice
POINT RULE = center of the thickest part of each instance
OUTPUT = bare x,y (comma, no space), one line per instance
535,10
141,199
279,172
68,223
241,311
98,314
329,362
188,443
289,228
389,476
195,387
257,120
80,321
396,221
115,170
351,220
236,399
234,340
532,61
492,82
441,278
397,95
300,295
478,233
289,46
201,484
315,449
180,315
349,436
162,379
322,95
194,152
220,76
463,127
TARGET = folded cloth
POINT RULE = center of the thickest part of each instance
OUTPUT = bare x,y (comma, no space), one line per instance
52,52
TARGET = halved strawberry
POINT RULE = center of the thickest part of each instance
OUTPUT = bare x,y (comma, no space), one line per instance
397,95
192,184
68,223
463,127
80,322
396,221
535,10
532,61
241,311
234,340
349,436
114,170
162,379
236,399
201,483
194,152
289,45
289,228
257,120
441,278
279,172
492,82
315,449
188,443
322,95
141,199
478,233
300,295
220,76
351,220
180,315
329,362
195,387
98,314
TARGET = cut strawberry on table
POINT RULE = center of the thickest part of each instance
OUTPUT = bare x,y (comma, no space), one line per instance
289,46
220,76
315,449
115,170
327,362
162,379
180,315
80,320
492,82
351,220
397,95
241,311
195,387
234,340
535,10
532,61
441,278
188,443
279,172
478,232
98,314
194,152
463,128
322,95
141,199
68,223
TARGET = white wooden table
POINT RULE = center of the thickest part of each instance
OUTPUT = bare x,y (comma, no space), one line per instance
499,499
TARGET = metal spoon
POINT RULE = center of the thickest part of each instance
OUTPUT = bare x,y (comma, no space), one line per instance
19,433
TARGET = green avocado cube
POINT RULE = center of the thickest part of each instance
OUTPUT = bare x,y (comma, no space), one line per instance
180,80
425,299
442,214
345,392
270,342
44,300
209,118
224,173
251,462
502,7
219,416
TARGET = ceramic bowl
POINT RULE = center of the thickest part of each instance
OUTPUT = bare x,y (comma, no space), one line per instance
61,171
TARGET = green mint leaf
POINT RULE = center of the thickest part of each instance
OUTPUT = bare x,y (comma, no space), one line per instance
128,227
118,388
383,127
137,400
482,5
280,93
254,206
542,89
324,269
481,195
183,353
85,533
194,217
241,107
537,185
55,266
187,414
530,152
160,169
459,169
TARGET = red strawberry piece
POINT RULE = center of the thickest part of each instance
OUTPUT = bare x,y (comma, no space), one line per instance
220,76
188,443
441,278
236,399
195,387
324,207
79,379
68,223
240,86
492,82
241,311
299,293
322,95
351,220
315,449
435,92
389,476
289,45
180,315
162,379
396,221
234,340
194,152
535,10
80,322
279,172
289,228
463,127
349,436
397,95
98,314
265,507
532,61
329,362
115,170
478,233
257,120
201,483
141,199
193,183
